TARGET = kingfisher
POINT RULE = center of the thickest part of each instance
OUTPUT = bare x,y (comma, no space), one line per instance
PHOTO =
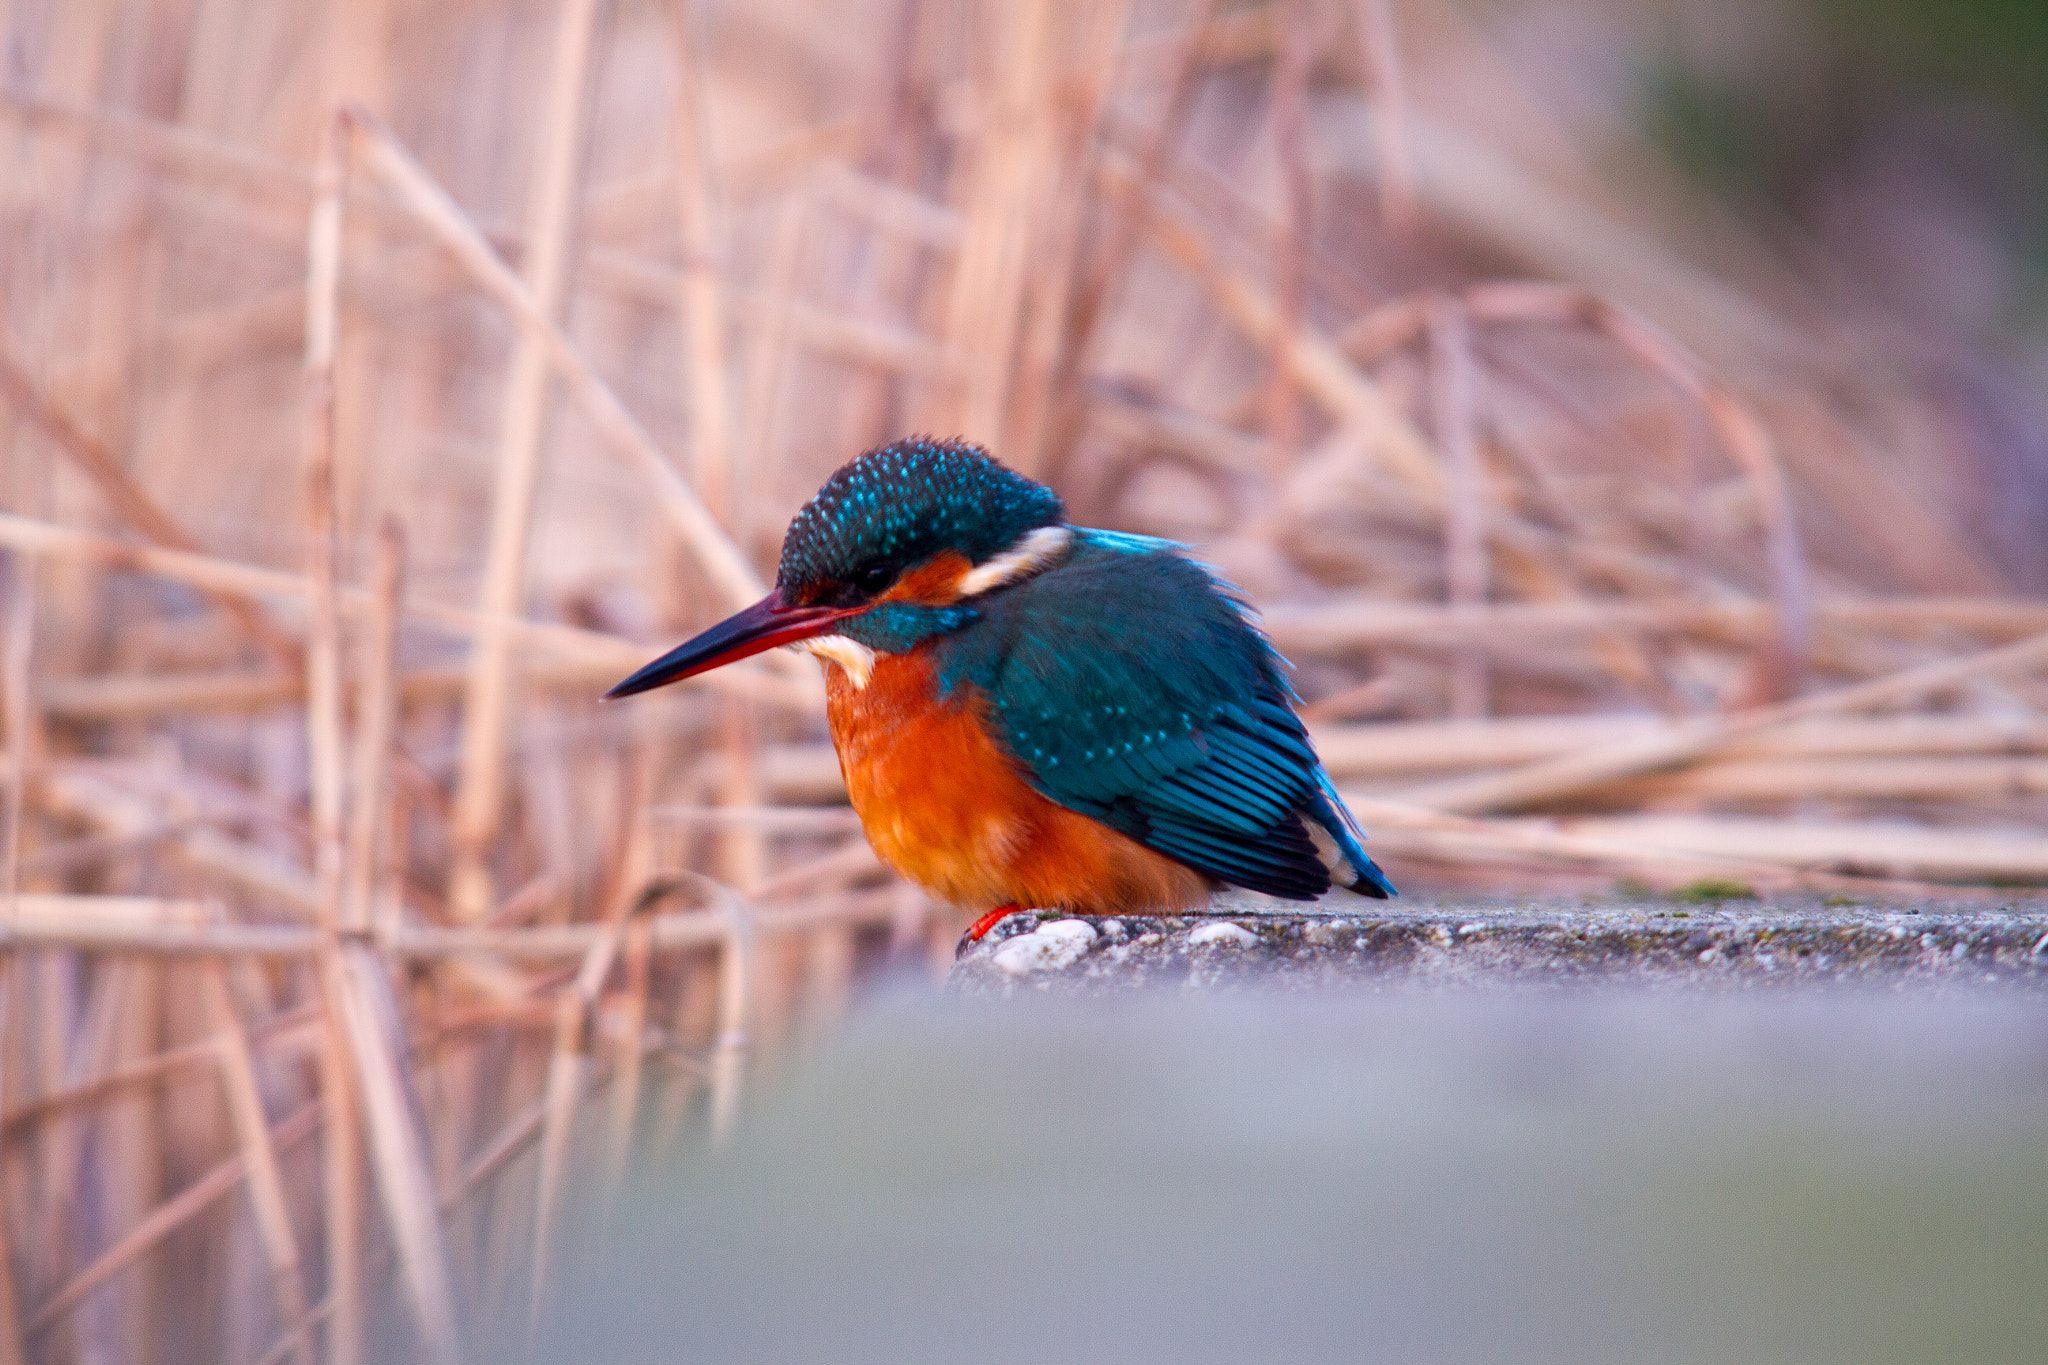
1034,714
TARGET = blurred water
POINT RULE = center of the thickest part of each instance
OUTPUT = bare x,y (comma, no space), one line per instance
1416,1177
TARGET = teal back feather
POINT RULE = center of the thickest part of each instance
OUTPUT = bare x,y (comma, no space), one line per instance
1131,687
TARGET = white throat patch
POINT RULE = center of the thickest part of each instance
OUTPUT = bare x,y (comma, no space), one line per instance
1036,551
856,658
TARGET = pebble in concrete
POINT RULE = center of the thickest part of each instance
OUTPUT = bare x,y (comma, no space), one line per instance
1045,949
1222,933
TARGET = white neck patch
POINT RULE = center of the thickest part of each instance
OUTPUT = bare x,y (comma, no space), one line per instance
1036,551
850,654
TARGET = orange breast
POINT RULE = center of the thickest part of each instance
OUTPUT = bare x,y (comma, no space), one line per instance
946,807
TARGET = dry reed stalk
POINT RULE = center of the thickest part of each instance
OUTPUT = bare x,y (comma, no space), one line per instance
57,1154
320,1312
342,1157
1575,773
128,502
855,859
705,372
96,849
341,1189
323,642
1324,372
1409,831
259,1158
369,1012
898,137
1290,273
107,1085
1359,701
778,975
1352,623
1736,426
802,774
167,1218
765,362
1375,335
545,272
1412,747
890,208
130,1126
1117,242
341,1160
986,298
1380,49
1395,325
601,654
414,188
18,719
1526,557
11,1340
528,902
1745,436
910,915
1080,94
519,1132
173,148
1878,850
395,889
827,980
147,925
1898,736
693,1025
741,853
376,715
142,696
736,973
626,1069
356,70
262,941
1448,745
781,819
10,1313
1147,424
574,1025
1454,398
183,152
1838,779
558,1104
188,347
861,340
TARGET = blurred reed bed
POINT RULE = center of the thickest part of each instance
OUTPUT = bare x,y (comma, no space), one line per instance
380,379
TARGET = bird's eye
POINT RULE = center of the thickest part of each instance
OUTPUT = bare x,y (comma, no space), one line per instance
873,576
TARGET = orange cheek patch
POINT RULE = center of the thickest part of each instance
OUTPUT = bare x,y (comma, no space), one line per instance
934,583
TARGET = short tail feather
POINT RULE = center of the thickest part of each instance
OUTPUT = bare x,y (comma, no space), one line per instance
1329,811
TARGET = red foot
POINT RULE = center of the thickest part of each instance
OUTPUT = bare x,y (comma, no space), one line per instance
976,930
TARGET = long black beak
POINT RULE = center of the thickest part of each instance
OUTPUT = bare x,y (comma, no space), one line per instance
766,624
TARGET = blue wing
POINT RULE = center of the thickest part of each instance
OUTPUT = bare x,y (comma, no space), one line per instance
1132,689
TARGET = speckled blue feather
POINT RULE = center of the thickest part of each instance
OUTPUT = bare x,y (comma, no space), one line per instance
1131,688
899,505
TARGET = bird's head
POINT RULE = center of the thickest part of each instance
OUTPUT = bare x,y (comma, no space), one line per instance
891,551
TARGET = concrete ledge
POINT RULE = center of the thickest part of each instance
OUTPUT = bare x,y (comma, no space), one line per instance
1739,943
